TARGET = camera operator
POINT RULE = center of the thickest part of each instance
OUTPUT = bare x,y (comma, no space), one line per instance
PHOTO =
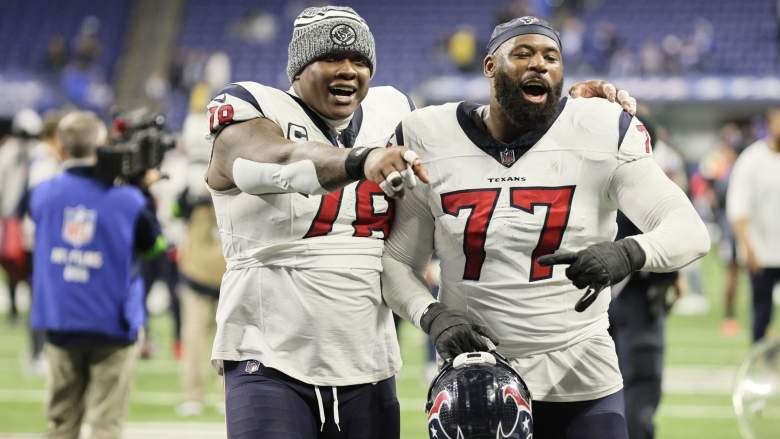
88,293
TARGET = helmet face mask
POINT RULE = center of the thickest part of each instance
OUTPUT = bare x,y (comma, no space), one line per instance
479,395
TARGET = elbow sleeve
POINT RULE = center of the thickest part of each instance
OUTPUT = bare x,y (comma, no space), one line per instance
272,178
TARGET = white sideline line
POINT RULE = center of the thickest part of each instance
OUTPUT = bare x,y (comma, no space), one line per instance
699,380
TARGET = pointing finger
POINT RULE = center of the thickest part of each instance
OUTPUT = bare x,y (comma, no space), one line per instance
558,258
413,159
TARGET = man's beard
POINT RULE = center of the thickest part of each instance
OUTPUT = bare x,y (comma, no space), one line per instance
523,114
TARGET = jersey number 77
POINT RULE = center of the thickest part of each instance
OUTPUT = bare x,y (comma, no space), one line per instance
482,202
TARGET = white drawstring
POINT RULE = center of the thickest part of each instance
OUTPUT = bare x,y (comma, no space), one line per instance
322,409
319,405
336,407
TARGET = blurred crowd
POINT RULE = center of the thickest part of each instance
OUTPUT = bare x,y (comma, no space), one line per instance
595,48
72,68
599,50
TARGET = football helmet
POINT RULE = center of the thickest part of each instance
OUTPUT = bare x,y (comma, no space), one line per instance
479,395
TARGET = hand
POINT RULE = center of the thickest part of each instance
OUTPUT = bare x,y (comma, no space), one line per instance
150,177
678,290
596,88
393,169
598,266
751,260
454,333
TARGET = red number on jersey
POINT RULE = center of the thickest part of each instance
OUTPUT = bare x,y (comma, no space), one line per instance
326,215
481,202
643,130
366,218
558,202
224,116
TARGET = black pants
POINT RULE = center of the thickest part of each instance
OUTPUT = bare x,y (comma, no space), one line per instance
601,418
263,403
762,284
637,321
164,269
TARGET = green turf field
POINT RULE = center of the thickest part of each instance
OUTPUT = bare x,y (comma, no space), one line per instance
697,403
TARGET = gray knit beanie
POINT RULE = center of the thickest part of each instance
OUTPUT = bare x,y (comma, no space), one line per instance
319,31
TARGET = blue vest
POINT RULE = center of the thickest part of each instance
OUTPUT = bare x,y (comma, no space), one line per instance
86,276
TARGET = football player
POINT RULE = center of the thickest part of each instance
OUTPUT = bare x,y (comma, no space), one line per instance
309,350
520,210
301,183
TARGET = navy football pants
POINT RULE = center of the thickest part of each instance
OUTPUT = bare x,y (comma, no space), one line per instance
762,284
601,418
263,403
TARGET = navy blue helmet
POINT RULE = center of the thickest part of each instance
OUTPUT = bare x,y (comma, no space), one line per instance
479,395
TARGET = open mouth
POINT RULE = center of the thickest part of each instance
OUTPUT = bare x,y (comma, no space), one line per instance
342,92
535,90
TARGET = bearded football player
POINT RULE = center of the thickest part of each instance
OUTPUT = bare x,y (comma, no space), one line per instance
521,210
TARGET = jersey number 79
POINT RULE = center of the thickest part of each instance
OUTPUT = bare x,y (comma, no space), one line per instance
482,202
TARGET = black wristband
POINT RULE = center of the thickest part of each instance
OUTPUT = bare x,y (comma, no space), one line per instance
431,312
355,161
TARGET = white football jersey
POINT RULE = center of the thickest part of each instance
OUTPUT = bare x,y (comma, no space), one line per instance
495,214
309,265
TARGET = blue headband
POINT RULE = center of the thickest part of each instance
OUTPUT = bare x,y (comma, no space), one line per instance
521,26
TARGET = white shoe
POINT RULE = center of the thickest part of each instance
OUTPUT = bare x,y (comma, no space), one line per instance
37,366
189,408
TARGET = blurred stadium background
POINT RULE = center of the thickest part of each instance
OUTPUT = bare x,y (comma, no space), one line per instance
704,70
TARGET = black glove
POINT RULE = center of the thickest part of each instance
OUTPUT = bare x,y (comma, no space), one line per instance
453,332
598,266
